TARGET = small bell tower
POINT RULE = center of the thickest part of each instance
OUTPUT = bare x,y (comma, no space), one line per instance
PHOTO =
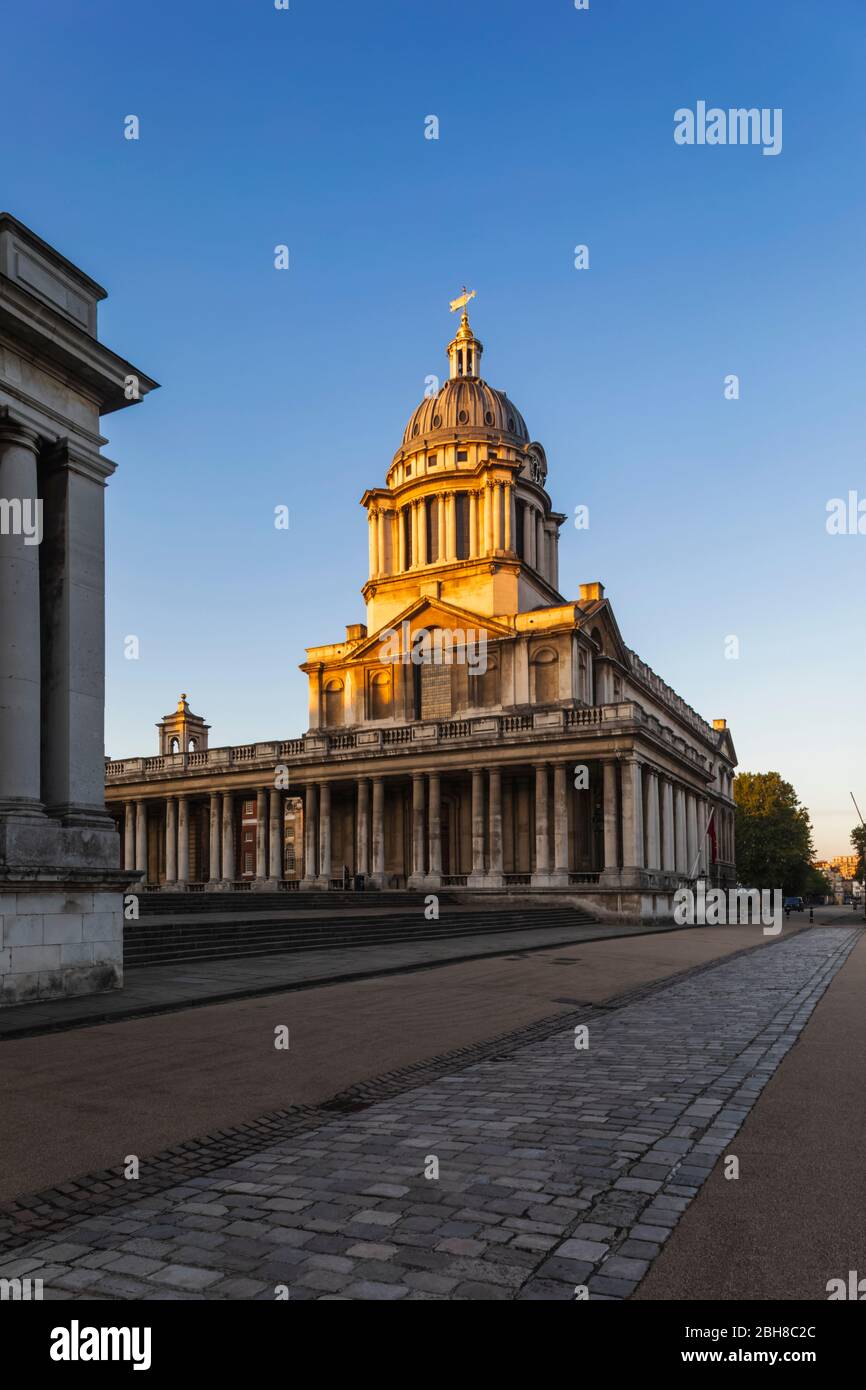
182,731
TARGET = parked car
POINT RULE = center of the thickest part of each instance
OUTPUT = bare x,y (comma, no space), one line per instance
794,905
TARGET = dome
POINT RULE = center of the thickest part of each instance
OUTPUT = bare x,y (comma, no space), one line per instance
465,403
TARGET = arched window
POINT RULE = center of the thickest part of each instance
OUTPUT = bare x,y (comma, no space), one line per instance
582,687
380,695
174,746
190,748
545,671
333,703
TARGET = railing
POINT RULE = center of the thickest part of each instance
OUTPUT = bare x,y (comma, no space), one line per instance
405,734
319,744
517,880
456,728
581,717
584,878
289,885
515,723
454,880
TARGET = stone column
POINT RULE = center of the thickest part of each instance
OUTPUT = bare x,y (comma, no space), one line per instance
653,850
311,804
378,835
691,834
496,499
171,840
541,877
422,531
261,838
325,834
668,848
401,539
276,837
434,831
554,557
141,837
451,526
129,835
680,839
539,545
495,878
560,824
72,575
413,515
476,878
611,817
632,817
182,840
380,542
214,868
487,494
228,865
473,525
363,825
20,628
374,546
417,876
510,519
529,534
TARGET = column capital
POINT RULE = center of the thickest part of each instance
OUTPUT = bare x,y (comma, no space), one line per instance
15,431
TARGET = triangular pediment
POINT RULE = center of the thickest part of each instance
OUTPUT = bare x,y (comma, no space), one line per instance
599,614
430,613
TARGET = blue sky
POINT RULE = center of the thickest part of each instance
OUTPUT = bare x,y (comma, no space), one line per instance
306,127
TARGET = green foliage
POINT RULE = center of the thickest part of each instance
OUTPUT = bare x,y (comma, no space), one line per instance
774,834
858,840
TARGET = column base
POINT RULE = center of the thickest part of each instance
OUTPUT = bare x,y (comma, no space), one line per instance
418,881
477,880
558,878
264,885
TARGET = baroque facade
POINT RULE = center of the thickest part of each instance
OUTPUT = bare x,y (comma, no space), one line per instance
479,732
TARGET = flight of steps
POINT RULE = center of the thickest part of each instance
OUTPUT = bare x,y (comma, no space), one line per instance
183,939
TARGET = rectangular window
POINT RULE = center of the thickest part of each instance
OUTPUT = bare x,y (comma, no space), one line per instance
432,460
462,455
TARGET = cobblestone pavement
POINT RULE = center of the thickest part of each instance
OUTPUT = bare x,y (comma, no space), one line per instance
558,1167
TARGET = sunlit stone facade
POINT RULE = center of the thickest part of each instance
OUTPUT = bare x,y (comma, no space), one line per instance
480,731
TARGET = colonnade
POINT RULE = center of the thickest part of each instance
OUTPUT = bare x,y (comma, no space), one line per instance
647,822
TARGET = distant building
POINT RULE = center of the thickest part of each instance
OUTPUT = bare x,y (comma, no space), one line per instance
479,731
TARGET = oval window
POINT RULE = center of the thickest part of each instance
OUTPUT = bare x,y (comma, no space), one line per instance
437,421
463,417
488,417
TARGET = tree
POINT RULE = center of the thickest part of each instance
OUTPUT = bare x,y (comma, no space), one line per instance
774,834
858,840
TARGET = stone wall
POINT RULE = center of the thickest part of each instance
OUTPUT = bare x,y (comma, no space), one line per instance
56,944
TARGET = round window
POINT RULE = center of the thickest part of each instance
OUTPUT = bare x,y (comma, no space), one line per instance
463,417
488,417
437,421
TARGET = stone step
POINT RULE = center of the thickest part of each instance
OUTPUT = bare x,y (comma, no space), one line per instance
146,945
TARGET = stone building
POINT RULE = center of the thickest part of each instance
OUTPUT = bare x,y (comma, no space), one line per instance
61,891
480,731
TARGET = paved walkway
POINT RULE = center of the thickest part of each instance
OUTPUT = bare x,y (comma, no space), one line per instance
155,989
557,1167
